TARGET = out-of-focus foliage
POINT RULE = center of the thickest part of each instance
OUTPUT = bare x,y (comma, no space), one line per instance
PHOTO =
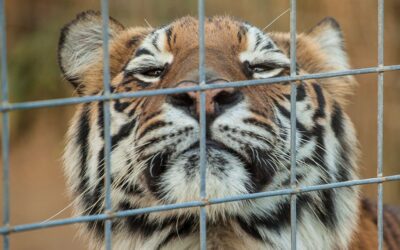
31,75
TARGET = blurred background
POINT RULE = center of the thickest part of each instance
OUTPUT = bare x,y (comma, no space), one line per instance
38,190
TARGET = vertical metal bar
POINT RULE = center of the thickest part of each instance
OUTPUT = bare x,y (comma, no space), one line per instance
203,156
106,110
293,94
380,121
5,142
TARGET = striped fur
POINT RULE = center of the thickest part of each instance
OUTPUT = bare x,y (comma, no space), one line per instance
155,145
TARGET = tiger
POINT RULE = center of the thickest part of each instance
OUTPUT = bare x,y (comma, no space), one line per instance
155,153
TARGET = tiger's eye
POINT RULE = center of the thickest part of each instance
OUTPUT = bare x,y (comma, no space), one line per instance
153,72
259,68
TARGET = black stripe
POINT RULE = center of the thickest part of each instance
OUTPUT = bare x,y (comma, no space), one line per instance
320,113
301,93
149,143
121,106
141,223
277,219
268,46
88,198
169,36
305,135
154,41
318,156
156,166
100,119
129,188
299,178
143,51
254,136
338,128
138,102
261,172
153,126
337,120
249,229
94,202
343,164
184,131
258,123
258,40
186,227
82,140
301,128
327,213
123,132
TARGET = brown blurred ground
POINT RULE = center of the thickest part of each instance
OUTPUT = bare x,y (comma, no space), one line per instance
38,190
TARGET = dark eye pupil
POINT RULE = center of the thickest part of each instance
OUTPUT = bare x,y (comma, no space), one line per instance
153,72
260,68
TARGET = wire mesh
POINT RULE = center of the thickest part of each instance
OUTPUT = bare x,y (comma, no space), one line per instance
380,122
107,123
5,142
108,214
293,129
203,122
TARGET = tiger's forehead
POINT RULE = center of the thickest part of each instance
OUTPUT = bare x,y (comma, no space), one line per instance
220,32
224,35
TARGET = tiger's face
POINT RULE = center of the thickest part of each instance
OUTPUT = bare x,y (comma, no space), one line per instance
155,139
241,134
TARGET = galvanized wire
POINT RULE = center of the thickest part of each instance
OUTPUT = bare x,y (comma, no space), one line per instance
107,122
293,94
209,202
168,91
380,121
203,122
108,215
5,138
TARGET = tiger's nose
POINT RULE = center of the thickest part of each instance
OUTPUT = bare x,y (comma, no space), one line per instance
217,100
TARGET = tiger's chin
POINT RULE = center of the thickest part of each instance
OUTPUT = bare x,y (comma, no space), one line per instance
226,175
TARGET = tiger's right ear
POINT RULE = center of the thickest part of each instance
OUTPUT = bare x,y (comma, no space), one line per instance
80,44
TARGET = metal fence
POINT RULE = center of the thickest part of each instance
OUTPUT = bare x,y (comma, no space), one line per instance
6,108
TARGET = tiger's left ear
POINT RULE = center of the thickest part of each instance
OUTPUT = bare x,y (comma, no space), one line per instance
328,35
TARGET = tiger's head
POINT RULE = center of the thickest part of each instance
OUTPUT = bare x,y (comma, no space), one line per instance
155,139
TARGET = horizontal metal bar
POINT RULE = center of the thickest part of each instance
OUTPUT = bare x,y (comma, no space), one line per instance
238,84
119,214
